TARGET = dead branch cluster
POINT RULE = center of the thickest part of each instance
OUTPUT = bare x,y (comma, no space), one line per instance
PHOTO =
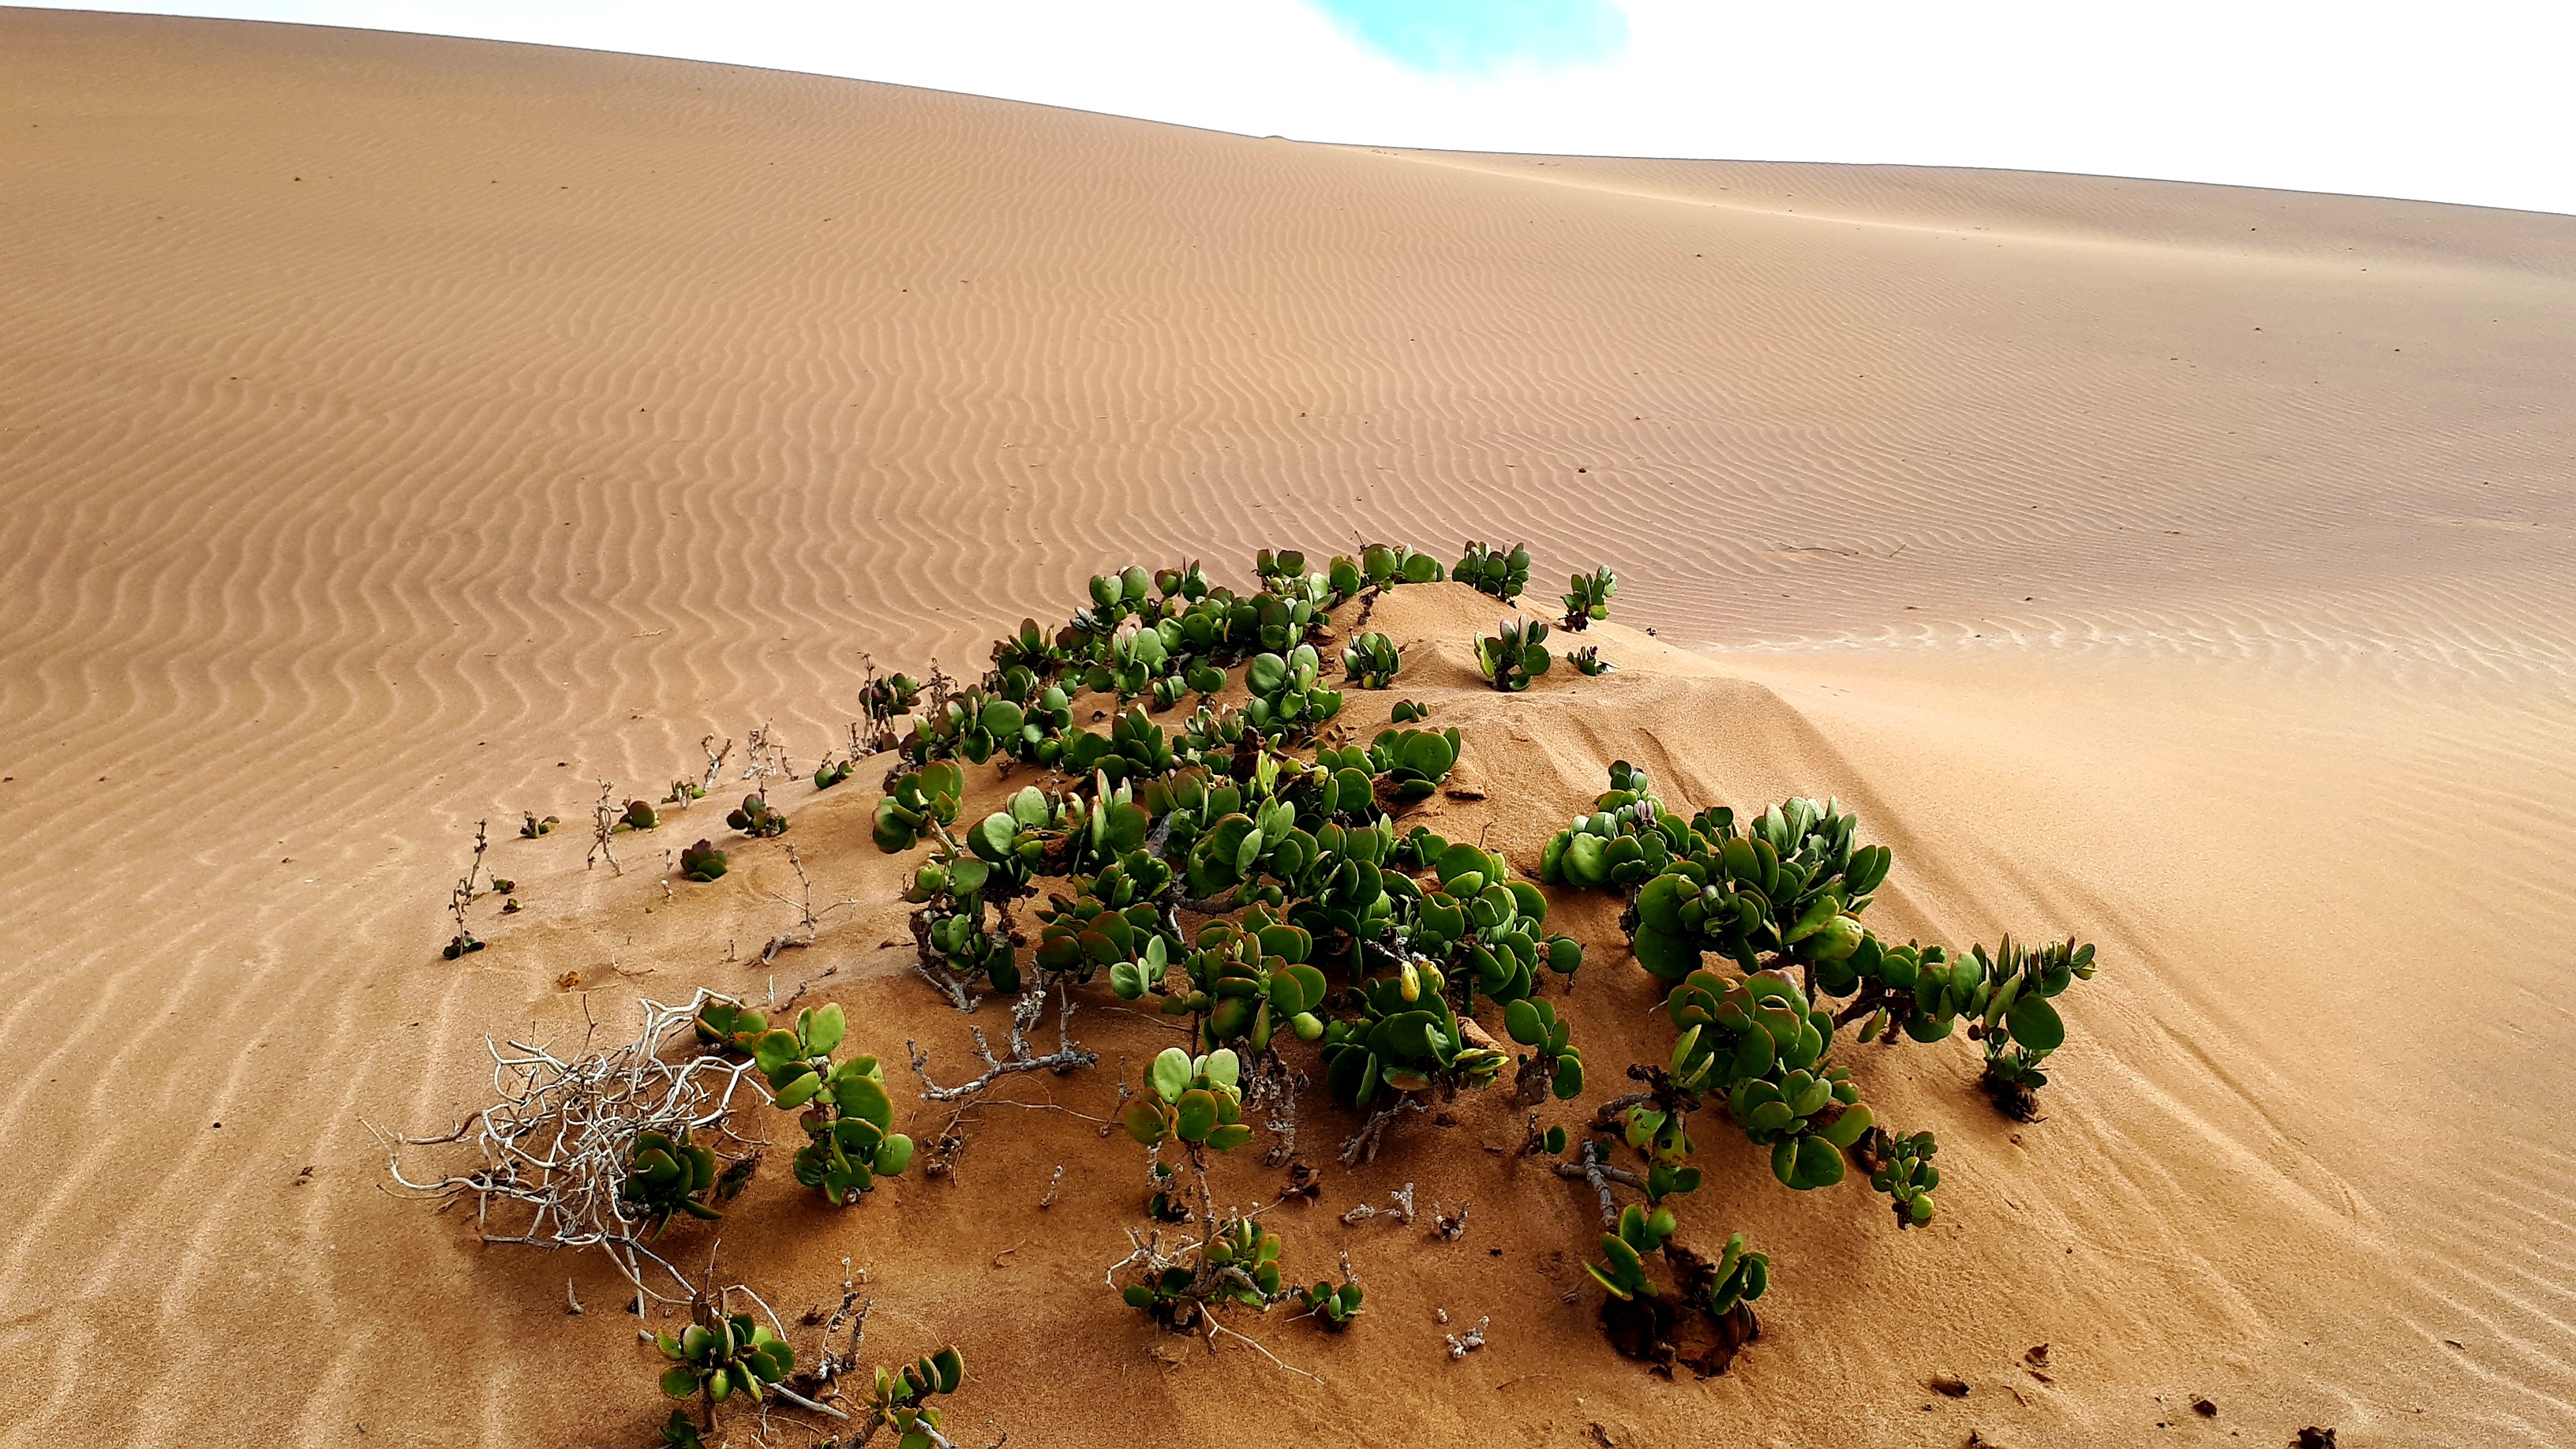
549,1156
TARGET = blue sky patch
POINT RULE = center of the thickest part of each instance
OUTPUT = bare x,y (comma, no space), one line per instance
1480,37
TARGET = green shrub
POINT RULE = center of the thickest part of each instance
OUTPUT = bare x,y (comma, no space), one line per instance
1902,1168
756,818
1514,656
701,862
1589,599
720,1357
1288,700
1371,662
667,1176
1383,565
1493,571
899,1400
848,1118
923,802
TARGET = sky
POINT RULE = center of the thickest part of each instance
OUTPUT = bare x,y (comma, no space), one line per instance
2463,101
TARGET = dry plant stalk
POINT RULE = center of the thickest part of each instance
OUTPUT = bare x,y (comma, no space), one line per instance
553,1149
463,895
715,761
764,758
809,922
603,824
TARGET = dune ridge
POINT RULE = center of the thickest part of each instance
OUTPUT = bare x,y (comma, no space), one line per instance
386,419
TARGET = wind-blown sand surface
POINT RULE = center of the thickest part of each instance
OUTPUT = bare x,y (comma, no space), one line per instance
398,432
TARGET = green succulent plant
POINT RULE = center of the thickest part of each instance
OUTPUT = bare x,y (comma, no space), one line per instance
1415,762
1288,700
1494,571
899,1399
1588,599
534,827
1902,1168
883,701
1371,662
1554,1062
1195,1101
1332,1305
1740,1277
701,862
1515,656
1241,981
848,1118
923,801
1406,1039
718,1357
1587,661
1135,748
1238,1264
1382,565
829,773
1407,711
639,816
1639,1232
757,818
666,1176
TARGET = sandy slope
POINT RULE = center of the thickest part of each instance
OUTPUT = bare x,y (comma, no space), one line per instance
397,432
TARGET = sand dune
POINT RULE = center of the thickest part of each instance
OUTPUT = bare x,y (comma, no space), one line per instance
399,432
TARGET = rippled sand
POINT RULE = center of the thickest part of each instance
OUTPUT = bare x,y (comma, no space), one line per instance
399,432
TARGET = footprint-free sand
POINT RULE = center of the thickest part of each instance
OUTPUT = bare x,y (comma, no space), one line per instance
400,432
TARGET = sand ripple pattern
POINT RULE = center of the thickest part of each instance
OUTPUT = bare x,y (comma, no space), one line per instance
396,432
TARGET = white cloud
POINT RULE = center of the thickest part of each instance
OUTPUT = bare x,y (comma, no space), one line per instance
2463,102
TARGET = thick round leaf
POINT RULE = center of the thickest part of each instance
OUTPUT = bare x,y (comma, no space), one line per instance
2035,1024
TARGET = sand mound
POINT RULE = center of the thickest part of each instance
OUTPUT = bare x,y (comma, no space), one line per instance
399,432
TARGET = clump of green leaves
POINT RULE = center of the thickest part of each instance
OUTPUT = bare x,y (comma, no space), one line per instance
899,1400
1494,571
1382,565
848,1118
1902,1168
1371,661
1515,655
1195,1101
1587,661
757,818
719,1357
923,802
534,827
1703,1321
830,773
639,816
1406,711
2017,1023
668,1175
701,862
1589,599
1554,1063
1330,1304
1288,698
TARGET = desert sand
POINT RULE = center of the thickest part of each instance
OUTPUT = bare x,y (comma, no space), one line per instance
397,433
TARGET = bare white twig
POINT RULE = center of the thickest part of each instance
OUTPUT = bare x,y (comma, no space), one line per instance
553,1149
1461,1345
1402,1212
